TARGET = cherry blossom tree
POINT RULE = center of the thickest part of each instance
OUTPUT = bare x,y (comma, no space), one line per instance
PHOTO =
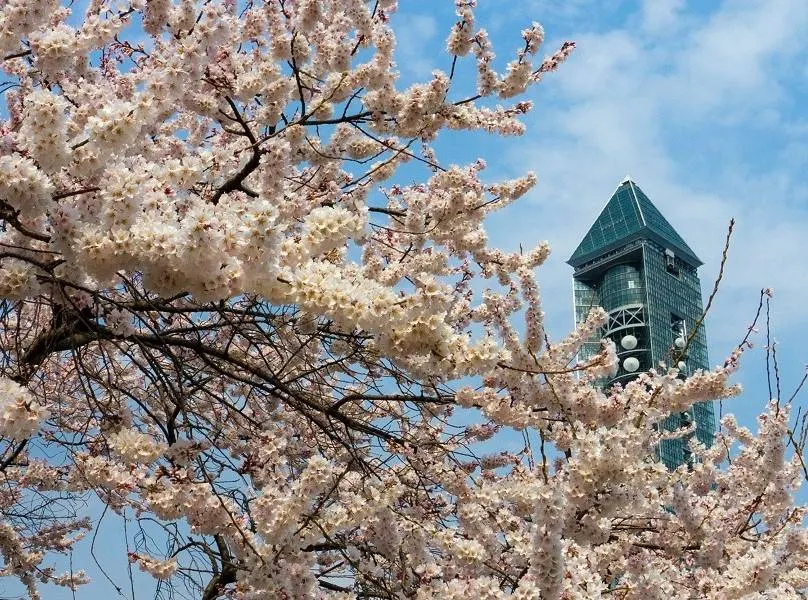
222,323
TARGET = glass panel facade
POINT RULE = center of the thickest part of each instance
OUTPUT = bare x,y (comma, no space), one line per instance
618,220
585,298
649,285
621,286
677,297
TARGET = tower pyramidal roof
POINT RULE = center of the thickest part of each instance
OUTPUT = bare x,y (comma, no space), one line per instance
629,215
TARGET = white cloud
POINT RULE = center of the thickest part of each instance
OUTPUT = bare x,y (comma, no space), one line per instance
735,58
659,16
414,32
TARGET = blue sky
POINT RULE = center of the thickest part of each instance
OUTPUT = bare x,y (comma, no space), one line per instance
703,103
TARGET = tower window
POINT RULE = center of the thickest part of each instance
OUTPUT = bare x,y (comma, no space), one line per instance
677,325
670,262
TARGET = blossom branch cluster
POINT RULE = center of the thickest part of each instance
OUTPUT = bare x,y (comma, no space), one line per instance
216,321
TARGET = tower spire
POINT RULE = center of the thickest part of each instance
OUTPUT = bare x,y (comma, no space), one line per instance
630,216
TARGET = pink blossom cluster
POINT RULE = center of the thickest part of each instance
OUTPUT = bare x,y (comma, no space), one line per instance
20,414
159,569
215,320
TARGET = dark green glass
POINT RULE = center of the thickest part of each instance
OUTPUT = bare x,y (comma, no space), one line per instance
639,269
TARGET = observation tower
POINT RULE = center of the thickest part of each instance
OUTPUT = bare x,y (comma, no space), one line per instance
635,265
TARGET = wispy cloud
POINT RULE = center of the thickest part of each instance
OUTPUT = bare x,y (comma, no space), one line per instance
415,32
661,16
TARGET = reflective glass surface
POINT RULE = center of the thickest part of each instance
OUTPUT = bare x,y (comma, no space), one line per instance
629,214
658,288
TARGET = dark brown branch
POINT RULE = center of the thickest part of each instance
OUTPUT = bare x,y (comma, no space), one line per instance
17,55
11,216
88,190
13,456
225,576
